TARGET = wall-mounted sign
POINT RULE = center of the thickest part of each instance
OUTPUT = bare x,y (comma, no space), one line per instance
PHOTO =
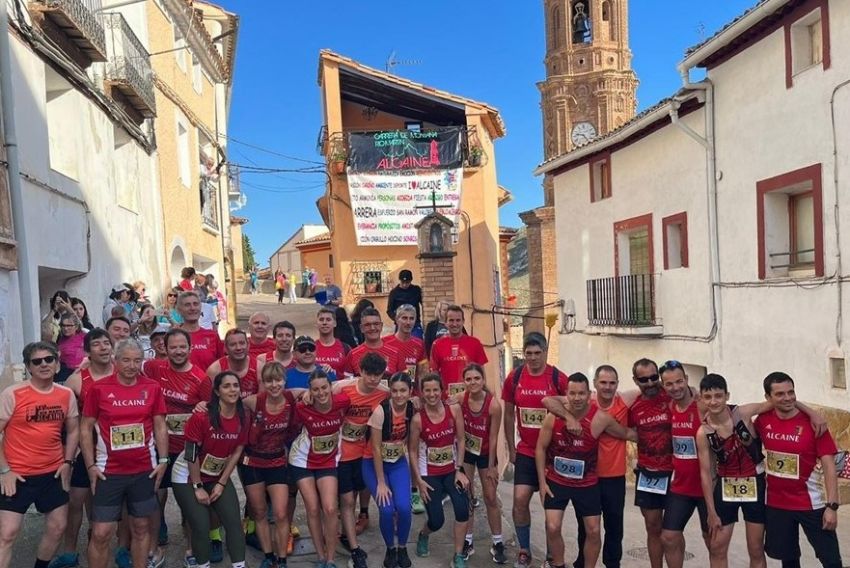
385,206
399,150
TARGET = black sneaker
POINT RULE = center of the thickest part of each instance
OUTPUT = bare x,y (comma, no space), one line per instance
468,549
402,559
358,558
497,551
390,558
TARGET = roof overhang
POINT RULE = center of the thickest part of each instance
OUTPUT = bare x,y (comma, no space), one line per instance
505,196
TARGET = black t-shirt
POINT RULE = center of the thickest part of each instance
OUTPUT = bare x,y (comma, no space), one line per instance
399,296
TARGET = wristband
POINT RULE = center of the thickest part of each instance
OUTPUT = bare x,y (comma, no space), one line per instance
69,462
91,466
220,483
163,460
198,486
5,470
460,470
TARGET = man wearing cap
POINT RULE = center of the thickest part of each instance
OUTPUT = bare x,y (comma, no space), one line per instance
406,293
115,302
333,293
298,377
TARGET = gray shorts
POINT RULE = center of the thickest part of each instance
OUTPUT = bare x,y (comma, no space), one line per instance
112,493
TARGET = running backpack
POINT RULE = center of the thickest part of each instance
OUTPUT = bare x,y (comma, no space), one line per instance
518,373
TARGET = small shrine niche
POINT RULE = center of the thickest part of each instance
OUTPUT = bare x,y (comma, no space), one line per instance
435,235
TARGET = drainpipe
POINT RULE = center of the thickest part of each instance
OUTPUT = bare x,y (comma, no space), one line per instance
707,142
26,285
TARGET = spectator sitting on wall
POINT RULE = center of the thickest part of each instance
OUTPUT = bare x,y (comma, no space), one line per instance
333,293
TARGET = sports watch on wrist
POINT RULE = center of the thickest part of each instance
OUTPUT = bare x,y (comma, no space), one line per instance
833,505
198,485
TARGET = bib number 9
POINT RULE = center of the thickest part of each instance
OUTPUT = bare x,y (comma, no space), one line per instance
780,464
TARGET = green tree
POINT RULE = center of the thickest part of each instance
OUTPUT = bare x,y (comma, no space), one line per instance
248,261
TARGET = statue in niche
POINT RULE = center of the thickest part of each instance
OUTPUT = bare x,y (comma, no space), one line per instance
436,238
581,23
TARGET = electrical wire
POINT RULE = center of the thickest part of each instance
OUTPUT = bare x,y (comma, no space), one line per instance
274,153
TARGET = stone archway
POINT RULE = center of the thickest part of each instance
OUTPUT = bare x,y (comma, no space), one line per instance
177,262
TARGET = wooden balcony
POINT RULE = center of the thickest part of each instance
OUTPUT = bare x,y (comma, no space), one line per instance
74,25
129,78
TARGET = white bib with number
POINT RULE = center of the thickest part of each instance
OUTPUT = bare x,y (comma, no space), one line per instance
780,464
657,485
212,465
473,443
441,456
684,447
739,489
391,452
353,432
127,436
456,388
176,423
571,469
532,417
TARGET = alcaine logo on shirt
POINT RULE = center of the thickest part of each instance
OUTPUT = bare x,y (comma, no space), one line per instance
778,436
653,419
130,402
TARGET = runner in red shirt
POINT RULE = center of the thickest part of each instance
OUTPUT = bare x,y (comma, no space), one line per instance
237,360
128,411
451,353
330,351
283,334
200,478
98,347
523,393
797,494
482,419
371,326
411,349
566,465
259,342
436,449
35,466
313,459
206,345
263,470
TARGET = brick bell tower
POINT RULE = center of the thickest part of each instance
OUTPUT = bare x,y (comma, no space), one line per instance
589,91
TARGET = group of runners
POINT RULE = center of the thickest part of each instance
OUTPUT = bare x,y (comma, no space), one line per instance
312,418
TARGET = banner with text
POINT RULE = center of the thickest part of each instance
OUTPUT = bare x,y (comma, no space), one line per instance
394,150
385,206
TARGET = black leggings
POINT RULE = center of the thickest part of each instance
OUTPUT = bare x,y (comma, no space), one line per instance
445,485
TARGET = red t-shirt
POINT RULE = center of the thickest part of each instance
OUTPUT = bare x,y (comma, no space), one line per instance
216,445
450,355
792,452
182,390
270,357
317,447
528,400
394,362
206,348
686,476
651,418
334,355
34,421
257,349
124,422
476,426
571,460
249,383
269,434
411,352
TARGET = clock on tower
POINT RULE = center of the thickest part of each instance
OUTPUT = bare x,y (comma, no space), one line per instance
583,132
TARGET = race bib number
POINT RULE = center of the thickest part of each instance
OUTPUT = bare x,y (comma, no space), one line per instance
739,489
571,469
127,436
684,447
441,456
325,444
176,423
657,485
780,464
456,388
354,432
532,417
411,370
473,443
212,465
391,452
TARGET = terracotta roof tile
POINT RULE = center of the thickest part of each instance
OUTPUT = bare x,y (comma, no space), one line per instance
321,238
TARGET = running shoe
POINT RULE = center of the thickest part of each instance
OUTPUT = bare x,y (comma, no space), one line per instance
402,559
416,504
216,551
123,558
362,523
268,563
154,562
458,562
468,549
190,562
65,560
390,558
497,551
523,559
422,546
358,558
476,502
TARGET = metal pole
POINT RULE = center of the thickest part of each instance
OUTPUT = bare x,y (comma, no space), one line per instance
26,286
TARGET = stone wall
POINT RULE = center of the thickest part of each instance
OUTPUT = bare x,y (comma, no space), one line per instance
437,282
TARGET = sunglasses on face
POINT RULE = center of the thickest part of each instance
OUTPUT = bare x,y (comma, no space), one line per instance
306,348
38,361
69,325
172,295
645,380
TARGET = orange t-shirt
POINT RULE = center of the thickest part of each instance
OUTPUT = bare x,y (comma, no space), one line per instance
612,451
354,425
33,435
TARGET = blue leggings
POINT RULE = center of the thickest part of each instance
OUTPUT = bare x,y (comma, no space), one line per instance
395,518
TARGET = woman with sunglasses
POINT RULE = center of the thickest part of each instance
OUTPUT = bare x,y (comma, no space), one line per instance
388,477
437,444
482,418
263,469
200,478
169,313
313,460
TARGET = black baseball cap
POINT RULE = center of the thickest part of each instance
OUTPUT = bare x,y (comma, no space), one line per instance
304,340
405,276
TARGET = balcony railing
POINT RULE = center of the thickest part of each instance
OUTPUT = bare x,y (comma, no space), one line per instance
625,301
209,203
75,22
129,68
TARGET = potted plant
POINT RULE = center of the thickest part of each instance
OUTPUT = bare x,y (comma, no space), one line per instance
475,156
372,284
338,159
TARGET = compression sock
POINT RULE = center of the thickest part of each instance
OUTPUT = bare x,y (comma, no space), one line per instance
469,538
523,536
497,538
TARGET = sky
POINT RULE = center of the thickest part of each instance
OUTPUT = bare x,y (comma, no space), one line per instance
488,50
